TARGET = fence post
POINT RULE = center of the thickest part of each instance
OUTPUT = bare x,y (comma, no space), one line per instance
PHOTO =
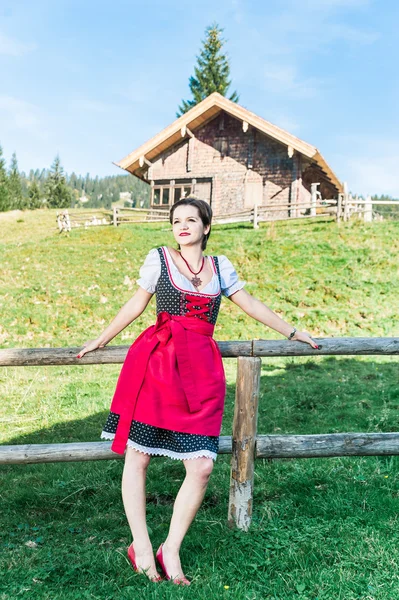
368,210
59,221
243,442
67,220
313,191
255,213
346,201
115,216
339,208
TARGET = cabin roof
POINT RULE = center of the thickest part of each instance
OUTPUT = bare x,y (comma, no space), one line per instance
205,111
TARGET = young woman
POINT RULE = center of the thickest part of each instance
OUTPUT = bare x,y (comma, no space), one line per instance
170,393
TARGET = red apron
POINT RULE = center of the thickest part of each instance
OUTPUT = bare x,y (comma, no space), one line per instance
172,377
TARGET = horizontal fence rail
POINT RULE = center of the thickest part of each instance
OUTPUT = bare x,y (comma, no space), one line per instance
327,445
342,345
266,446
70,452
24,357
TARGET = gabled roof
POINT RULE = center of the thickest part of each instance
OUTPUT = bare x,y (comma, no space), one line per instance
204,112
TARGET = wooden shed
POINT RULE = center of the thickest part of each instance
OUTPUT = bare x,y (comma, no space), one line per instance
230,157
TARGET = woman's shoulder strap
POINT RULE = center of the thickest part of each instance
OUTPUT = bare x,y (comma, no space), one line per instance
162,257
217,265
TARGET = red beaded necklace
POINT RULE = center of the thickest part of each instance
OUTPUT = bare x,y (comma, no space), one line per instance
196,281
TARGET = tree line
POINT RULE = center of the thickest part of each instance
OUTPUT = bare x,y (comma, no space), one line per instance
52,188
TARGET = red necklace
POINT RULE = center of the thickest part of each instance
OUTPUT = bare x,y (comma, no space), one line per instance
196,281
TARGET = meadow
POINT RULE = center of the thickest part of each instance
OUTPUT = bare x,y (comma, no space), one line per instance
322,528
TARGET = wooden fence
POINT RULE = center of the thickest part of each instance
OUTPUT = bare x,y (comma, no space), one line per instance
343,208
269,212
80,218
139,215
245,444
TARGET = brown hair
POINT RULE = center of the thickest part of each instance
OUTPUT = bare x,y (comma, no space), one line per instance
205,213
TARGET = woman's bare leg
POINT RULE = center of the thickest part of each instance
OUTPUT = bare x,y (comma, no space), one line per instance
187,503
134,501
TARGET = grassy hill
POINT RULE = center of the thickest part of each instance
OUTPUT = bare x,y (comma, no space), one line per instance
321,528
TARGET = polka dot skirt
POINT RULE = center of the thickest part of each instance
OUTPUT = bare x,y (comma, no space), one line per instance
157,441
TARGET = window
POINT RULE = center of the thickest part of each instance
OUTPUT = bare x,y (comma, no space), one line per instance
157,196
178,191
166,195
181,191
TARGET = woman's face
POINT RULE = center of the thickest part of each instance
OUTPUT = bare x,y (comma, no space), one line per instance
187,225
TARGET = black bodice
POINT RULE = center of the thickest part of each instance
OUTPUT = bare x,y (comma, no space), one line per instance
175,301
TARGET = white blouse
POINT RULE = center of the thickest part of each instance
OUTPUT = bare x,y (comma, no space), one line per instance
151,271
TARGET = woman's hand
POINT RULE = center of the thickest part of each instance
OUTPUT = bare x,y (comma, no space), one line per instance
90,346
301,336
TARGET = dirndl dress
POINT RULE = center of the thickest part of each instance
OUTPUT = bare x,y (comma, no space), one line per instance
169,397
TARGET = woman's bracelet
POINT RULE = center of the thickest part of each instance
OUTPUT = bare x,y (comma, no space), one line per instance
292,334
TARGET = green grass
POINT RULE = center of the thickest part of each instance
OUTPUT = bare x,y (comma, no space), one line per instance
322,529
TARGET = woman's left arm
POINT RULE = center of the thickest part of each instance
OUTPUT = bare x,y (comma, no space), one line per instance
262,313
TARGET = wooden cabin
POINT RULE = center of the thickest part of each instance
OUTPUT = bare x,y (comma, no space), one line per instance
230,157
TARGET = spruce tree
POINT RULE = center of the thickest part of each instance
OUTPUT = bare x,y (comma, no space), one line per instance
4,195
34,196
14,185
212,71
58,194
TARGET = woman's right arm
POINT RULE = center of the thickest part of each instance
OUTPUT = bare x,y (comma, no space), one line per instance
127,314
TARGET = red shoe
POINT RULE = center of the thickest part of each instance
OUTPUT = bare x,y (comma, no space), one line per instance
177,581
132,557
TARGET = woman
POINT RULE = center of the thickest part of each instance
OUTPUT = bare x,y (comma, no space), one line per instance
170,392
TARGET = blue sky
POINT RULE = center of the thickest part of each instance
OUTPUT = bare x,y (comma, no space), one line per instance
93,80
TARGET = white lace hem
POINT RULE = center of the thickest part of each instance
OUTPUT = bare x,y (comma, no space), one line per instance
105,435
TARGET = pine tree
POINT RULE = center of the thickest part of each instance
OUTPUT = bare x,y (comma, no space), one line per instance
212,73
34,196
14,185
58,194
4,195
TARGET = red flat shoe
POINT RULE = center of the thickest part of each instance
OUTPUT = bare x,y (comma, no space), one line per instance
132,557
177,581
